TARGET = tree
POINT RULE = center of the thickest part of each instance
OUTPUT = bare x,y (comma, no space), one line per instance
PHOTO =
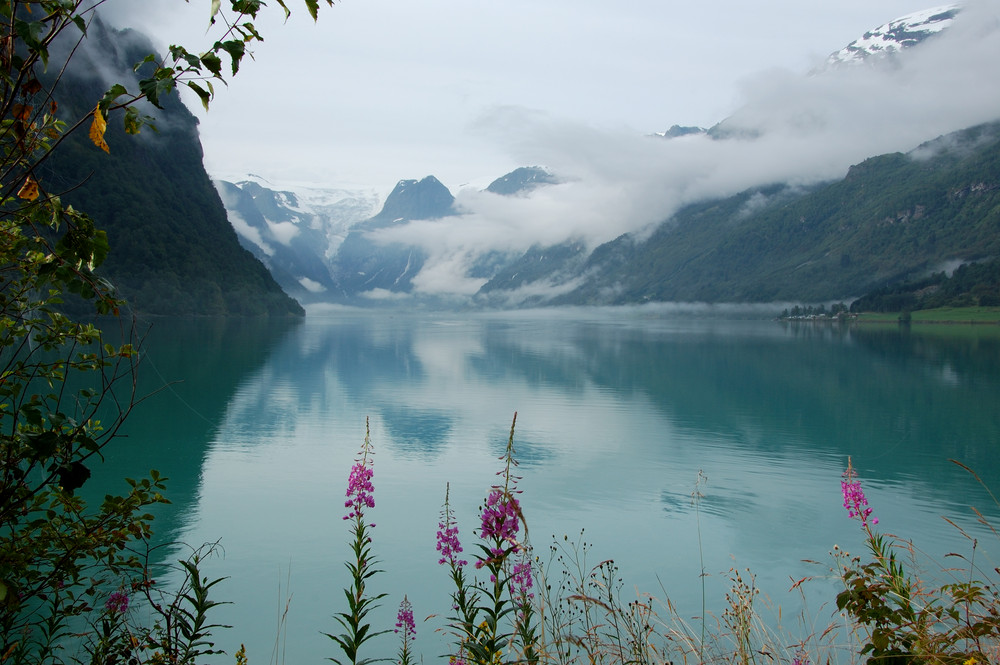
64,389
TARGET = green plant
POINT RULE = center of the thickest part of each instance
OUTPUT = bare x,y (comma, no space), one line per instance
354,622
64,389
907,619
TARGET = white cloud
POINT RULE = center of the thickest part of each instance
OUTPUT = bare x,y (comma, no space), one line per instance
311,285
807,129
250,233
283,232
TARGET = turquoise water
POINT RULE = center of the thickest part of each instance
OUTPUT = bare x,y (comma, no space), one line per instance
618,411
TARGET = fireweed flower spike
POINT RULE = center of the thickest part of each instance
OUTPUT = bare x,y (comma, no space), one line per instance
447,536
360,491
500,522
854,497
406,628
360,495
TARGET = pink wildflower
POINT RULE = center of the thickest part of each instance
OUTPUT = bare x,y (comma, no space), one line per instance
360,492
854,497
520,579
117,602
500,519
404,621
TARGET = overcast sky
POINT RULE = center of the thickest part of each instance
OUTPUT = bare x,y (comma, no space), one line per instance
380,90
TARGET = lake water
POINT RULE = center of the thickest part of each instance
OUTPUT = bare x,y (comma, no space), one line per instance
256,425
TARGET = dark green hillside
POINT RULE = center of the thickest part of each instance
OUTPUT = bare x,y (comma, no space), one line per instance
892,218
173,250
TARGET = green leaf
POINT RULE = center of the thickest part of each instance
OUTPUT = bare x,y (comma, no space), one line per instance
148,58
213,63
43,444
159,84
313,7
201,92
73,476
236,49
111,96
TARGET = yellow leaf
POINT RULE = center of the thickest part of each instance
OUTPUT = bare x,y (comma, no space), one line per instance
97,129
29,190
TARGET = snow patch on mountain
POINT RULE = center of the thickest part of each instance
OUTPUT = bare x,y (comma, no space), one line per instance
895,36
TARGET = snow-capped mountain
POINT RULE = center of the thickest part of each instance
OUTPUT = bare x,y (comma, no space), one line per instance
295,231
520,243
895,36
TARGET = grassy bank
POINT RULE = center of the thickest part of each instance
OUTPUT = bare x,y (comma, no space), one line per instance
946,315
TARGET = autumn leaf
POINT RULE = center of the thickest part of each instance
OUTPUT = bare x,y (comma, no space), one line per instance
29,190
97,129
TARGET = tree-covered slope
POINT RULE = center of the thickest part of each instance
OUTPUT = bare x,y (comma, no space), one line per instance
173,250
893,217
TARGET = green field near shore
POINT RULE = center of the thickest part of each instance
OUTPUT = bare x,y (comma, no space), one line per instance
969,315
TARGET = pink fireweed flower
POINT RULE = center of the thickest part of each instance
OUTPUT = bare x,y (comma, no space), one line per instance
520,579
117,602
404,621
447,535
448,545
360,491
854,497
500,519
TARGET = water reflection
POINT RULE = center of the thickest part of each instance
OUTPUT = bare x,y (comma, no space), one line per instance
617,416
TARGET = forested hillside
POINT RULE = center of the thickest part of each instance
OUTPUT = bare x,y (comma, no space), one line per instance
173,251
892,218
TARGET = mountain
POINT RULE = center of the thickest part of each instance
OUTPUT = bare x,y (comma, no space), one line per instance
320,244
875,47
890,39
762,207
295,233
522,181
364,267
893,218
173,250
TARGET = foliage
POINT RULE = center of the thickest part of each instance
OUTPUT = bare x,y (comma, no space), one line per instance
891,218
175,251
894,613
970,285
64,389
906,619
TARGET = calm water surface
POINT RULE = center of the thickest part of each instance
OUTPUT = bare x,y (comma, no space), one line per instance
618,411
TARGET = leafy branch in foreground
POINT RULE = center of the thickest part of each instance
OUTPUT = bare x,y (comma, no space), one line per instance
65,387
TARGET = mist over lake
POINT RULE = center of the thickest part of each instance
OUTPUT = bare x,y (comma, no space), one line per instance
618,411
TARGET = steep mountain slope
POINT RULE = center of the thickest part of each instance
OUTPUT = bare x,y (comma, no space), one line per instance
364,267
294,233
891,38
173,250
892,218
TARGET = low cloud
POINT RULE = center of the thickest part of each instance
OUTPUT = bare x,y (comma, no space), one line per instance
792,128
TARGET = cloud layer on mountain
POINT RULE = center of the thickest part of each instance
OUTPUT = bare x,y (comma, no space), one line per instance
791,128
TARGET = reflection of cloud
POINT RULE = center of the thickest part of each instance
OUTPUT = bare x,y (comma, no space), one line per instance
792,128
